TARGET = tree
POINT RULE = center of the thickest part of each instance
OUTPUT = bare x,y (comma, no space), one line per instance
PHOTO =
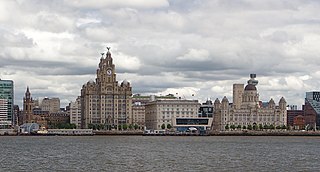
227,127
163,126
249,127
239,127
130,126
244,127
232,127
125,126
278,127
272,127
135,126
169,126
255,127
260,126
265,126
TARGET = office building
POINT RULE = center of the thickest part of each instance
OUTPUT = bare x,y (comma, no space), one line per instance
104,101
161,113
6,103
75,112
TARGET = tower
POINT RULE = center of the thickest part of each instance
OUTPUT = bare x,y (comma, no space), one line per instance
237,95
27,107
105,103
250,97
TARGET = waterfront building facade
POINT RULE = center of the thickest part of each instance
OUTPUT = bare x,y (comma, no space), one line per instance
50,104
6,103
312,110
160,113
75,112
138,110
104,101
247,111
206,110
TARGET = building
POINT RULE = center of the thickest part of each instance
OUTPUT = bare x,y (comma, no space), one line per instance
58,120
138,109
161,113
104,101
17,115
6,103
75,112
28,105
206,109
248,110
299,122
50,104
291,114
312,110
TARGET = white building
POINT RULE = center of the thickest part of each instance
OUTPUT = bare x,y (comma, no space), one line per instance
50,104
75,112
247,110
161,112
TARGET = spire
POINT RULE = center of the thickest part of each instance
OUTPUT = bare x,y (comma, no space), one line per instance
27,95
102,55
108,53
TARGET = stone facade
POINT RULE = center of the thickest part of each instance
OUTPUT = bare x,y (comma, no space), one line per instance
75,112
104,101
249,111
163,111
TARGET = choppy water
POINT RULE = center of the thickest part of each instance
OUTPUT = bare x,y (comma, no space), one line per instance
143,153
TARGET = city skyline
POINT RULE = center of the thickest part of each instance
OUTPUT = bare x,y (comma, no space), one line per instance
198,48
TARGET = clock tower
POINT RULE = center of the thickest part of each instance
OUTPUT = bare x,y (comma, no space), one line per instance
105,102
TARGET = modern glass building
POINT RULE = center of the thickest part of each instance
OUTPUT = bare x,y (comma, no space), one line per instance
6,103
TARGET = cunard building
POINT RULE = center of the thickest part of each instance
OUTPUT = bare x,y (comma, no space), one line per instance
105,102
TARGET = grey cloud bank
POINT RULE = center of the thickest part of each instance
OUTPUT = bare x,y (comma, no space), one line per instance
186,47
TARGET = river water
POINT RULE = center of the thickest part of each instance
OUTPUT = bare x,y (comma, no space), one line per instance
163,153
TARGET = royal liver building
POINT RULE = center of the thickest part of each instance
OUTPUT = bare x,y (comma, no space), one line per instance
247,110
104,102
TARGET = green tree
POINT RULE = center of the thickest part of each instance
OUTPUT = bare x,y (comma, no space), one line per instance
278,127
249,127
265,126
272,127
135,126
244,127
232,127
255,127
239,127
130,126
260,126
163,126
169,126
125,126
227,127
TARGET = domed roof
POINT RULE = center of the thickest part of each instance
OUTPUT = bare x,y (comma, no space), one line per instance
250,87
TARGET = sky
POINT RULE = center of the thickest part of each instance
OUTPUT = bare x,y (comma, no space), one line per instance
182,47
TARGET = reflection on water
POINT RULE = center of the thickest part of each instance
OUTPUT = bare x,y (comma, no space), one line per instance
143,153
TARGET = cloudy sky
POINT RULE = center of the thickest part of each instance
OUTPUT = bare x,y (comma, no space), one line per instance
162,46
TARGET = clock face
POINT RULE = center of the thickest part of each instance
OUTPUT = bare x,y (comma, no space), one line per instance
109,72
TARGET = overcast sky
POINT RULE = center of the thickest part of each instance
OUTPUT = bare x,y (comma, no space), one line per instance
161,46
